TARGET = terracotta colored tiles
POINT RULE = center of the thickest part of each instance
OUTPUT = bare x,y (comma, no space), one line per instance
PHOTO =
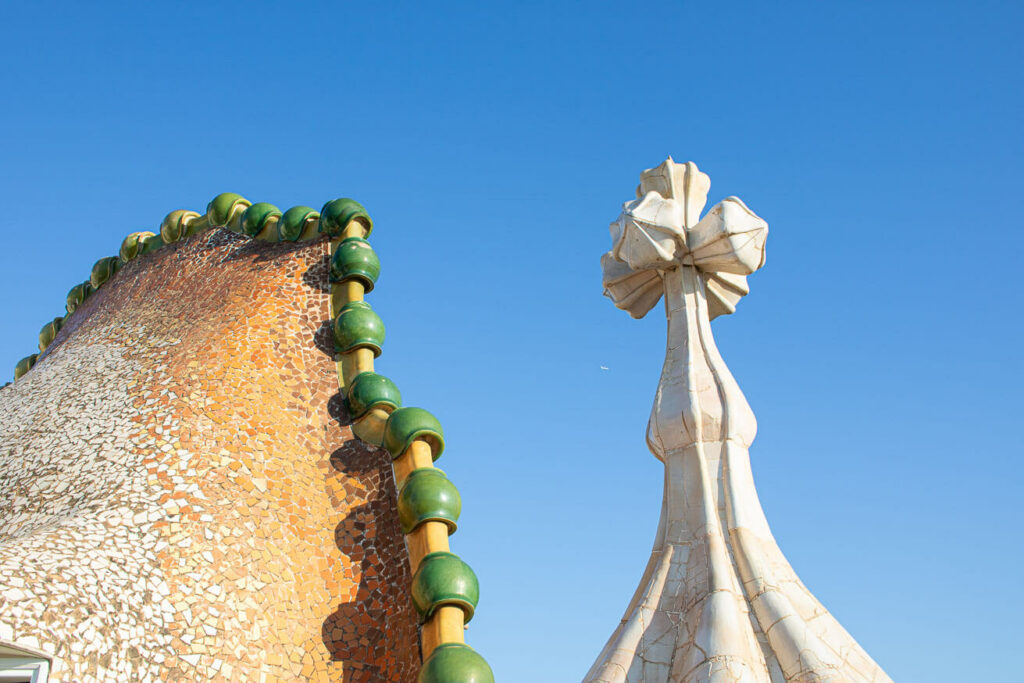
180,495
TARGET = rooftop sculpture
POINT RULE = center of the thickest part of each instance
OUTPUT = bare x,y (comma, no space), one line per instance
237,494
203,479
718,601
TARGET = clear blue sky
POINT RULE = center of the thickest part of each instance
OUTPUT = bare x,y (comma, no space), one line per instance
493,143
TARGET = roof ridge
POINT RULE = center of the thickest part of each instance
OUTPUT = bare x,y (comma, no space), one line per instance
260,221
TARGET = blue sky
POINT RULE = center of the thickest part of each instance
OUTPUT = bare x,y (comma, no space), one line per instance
493,143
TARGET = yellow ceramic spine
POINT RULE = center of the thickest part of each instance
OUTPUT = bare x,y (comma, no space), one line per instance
447,623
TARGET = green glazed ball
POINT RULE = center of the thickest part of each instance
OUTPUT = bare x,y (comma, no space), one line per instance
444,579
428,496
455,663
369,390
131,247
225,207
175,225
295,222
338,213
357,326
24,365
104,270
49,332
408,424
77,295
355,259
257,216
150,243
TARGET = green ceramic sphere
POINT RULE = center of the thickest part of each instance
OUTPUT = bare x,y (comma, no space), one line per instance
175,225
357,326
455,663
224,207
444,579
104,269
408,424
428,496
24,365
369,390
293,222
131,247
355,259
49,332
77,295
338,213
150,243
257,216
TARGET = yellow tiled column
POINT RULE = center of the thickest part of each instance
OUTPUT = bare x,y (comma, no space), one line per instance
445,592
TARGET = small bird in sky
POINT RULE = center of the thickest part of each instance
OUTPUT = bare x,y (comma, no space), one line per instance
604,367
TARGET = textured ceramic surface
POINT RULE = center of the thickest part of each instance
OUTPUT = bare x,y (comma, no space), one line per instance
176,225
355,259
24,365
409,423
358,326
181,496
78,294
444,579
104,269
338,213
259,217
370,390
718,601
296,222
131,246
428,496
226,207
455,663
49,332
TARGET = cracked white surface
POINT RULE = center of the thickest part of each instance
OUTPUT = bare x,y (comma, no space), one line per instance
718,601
70,561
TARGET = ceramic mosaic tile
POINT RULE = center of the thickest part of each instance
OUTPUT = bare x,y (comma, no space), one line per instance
181,496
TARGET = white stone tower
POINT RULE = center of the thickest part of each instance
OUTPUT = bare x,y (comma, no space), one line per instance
718,602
